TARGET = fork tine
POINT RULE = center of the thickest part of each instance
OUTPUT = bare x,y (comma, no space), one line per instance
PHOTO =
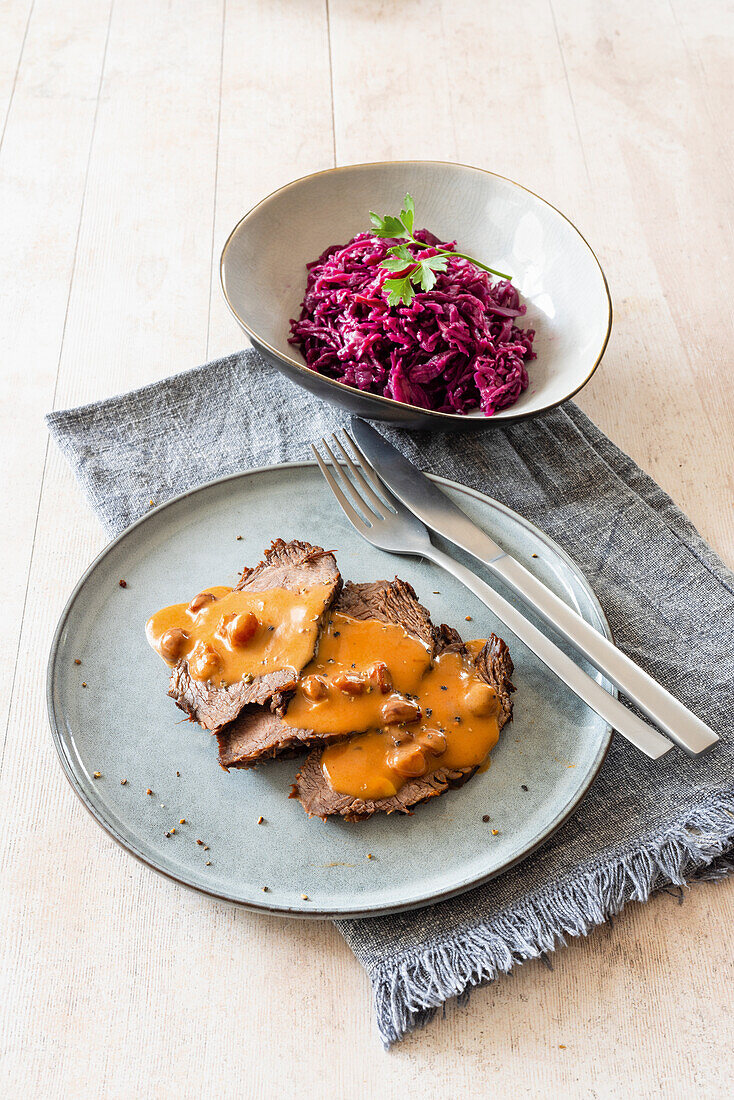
371,495
340,476
368,468
358,521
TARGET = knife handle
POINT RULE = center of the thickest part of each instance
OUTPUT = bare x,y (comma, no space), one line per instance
644,737
662,708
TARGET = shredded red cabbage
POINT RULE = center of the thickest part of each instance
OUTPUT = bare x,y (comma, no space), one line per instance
454,348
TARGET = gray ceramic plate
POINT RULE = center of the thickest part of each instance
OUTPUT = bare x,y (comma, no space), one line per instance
124,726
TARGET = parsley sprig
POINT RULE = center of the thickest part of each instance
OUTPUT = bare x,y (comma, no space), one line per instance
411,270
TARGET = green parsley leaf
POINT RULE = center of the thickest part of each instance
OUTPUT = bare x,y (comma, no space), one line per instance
426,276
399,290
424,272
437,263
388,226
403,252
396,263
407,214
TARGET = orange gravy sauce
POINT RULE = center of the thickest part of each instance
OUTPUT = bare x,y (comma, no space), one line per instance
418,716
380,663
458,728
237,634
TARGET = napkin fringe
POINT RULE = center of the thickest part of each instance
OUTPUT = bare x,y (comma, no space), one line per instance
409,994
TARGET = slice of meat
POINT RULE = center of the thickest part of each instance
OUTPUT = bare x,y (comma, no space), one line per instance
259,734
390,602
292,565
494,665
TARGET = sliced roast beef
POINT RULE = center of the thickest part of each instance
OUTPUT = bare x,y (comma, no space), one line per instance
258,734
293,565
494,665
389,602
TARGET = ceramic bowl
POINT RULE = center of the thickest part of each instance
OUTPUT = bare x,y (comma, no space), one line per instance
263,273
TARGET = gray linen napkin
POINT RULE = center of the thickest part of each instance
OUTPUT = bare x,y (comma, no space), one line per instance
669,599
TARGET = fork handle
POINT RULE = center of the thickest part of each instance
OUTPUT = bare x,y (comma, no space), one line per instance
662,708
644,737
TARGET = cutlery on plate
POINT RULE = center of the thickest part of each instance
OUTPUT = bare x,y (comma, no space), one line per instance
386,523
426,501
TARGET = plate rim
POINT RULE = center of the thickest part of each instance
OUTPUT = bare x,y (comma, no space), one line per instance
501,417
283,910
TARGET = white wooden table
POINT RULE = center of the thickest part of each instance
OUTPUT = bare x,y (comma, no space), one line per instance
135,134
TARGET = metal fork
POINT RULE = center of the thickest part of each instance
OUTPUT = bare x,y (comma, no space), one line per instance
386,523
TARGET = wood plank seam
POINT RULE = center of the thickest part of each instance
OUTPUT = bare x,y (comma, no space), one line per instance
31,557
17,70
570,92
331,80
216,179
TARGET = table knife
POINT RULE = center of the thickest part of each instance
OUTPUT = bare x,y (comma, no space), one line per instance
439,513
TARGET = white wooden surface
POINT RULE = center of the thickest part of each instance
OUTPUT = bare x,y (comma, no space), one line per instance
134,134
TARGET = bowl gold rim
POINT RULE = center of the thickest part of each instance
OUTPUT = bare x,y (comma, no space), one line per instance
389,401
